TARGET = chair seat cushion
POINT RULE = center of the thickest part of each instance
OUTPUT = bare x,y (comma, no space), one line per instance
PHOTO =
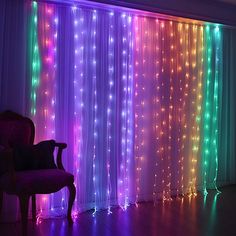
36,181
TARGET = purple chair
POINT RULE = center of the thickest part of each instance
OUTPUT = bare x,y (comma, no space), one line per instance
16,132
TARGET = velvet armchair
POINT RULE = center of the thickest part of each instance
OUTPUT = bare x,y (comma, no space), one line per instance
27,169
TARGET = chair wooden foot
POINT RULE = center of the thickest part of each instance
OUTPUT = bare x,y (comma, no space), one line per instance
33,199
71,200
24,205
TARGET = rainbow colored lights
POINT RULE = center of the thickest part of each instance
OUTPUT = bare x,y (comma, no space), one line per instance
43,86
143,102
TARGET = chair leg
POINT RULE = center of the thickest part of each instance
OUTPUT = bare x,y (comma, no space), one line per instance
33,199
24,205
71,200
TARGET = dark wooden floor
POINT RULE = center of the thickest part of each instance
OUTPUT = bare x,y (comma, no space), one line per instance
213,215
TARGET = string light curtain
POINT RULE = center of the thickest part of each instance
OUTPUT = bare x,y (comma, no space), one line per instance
136,98
168,98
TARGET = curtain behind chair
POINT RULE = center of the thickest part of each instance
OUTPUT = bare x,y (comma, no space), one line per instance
13,80
89,77
13,39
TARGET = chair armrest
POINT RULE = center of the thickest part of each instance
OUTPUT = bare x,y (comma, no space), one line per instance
60,146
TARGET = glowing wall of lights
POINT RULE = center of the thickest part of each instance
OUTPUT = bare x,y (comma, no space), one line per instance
159,121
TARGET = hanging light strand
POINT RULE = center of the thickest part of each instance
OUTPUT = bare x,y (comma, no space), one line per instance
193,131
217,38
136,97
109,106
95,108
170,108
156,113
36,63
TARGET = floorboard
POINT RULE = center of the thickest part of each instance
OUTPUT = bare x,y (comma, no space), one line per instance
210,216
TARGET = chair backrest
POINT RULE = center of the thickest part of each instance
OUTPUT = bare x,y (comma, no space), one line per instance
15,129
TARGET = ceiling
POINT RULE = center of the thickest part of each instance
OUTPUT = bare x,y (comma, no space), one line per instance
228,1
215,11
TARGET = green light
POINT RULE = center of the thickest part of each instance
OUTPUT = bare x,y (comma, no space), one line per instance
198,119
34,57
34,4
212,85
207,106
217,84
217,29
207,116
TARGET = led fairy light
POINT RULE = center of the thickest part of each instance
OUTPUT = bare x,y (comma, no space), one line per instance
54,32
109,106
199,90
176,72
54,22
207,108
79,38
193,131
156,115
180,63
35,66
44,87
142,101
51,42
121,197
136,102
181,113
217,38
140,94
200,64
129,138
40,114
163,112
49,26
45,118
125,113
78,99
178,109
94,79
186,86
166,107
124,107
170,110
198,38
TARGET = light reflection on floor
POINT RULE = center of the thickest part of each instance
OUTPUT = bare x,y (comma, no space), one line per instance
213,214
